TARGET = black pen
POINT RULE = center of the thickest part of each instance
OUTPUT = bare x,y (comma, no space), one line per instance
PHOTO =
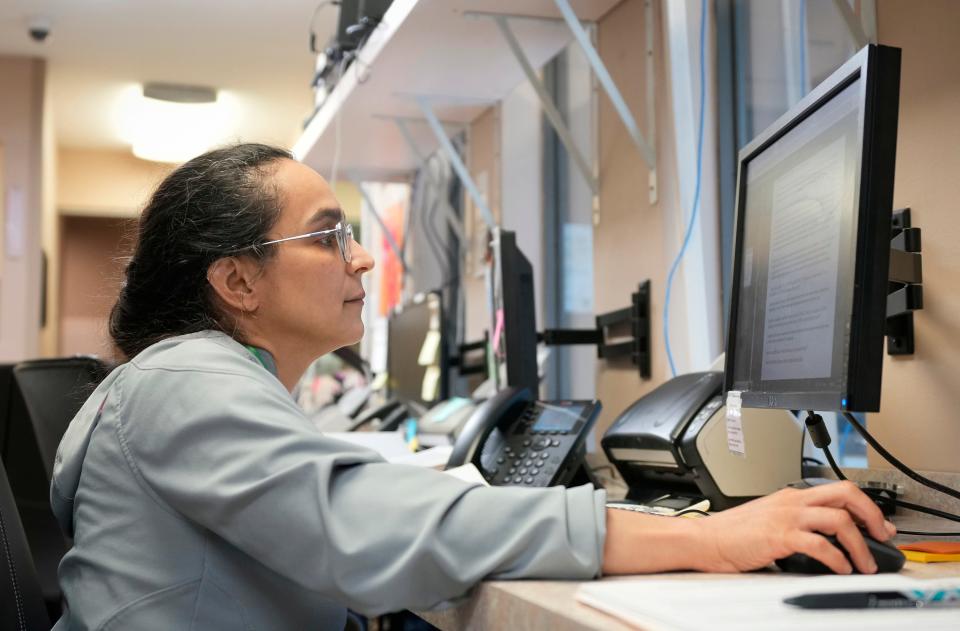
914,599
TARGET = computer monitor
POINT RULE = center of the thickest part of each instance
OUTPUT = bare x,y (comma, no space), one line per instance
513,310
357,19
812,245
416,352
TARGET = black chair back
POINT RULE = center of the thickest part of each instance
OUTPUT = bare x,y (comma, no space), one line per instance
7,388
53,391
21,601
46,395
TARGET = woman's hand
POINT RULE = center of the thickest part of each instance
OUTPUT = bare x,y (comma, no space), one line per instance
757,533
750,536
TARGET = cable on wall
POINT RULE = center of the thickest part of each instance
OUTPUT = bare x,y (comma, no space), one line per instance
696,194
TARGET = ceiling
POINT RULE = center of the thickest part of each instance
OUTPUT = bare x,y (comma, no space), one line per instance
98,49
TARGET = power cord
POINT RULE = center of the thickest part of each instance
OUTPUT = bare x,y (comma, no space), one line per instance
803,435
821,439
910,473
313,22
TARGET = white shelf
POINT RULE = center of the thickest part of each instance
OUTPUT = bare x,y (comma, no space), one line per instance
428,48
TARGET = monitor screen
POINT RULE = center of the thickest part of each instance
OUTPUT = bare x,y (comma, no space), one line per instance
812,245
415,352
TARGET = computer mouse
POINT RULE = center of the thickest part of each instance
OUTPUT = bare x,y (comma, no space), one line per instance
887,556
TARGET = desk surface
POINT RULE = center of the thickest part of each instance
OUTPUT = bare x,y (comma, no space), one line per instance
552,604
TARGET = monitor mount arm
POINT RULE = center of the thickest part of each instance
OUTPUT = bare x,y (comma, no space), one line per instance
635,345
460,360
905,294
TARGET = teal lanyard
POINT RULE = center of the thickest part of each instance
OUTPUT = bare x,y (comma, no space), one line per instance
263,357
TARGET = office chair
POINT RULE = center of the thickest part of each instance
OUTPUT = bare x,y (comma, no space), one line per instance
21,601
53,391
46,395
6,399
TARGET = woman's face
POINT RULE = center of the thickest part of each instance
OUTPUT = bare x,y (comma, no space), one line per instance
310,299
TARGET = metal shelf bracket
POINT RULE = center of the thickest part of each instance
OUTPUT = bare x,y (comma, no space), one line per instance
553,114
455,161
645,148
551,111
452,220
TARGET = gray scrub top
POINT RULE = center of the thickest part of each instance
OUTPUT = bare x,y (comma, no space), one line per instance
199,496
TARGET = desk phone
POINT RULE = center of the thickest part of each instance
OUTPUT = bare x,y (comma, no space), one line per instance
515,440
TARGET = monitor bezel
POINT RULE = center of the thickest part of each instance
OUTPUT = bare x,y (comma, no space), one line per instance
513,277
879,69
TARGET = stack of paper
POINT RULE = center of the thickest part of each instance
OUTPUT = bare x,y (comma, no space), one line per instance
745,604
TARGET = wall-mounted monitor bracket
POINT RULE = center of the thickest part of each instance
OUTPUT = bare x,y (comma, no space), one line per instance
905,289
635,346
466,349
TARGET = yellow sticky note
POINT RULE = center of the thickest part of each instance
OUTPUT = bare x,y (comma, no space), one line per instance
428,352
379,382
930,557
430,387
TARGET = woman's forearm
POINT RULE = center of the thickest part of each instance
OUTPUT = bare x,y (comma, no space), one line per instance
638,544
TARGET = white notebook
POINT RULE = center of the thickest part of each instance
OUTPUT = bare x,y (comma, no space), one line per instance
751,604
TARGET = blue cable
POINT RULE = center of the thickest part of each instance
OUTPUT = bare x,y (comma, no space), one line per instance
696,194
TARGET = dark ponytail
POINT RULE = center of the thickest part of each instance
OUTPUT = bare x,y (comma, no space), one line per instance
207,208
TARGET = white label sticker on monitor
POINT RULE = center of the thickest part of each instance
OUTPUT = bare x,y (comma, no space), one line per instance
735,424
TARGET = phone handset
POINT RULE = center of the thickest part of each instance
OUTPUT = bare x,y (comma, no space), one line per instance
501,407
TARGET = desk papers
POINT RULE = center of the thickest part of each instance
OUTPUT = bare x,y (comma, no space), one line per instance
748,604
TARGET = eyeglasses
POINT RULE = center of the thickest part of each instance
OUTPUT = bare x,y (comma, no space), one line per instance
343,232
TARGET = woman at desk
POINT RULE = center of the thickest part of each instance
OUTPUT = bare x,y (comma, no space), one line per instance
199,496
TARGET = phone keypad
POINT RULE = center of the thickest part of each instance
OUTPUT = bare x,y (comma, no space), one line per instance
529,458
523,456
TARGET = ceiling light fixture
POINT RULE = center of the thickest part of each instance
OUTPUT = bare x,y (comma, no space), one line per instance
167,122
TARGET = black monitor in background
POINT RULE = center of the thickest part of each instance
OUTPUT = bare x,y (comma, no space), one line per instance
357,19
812,245
513,310
417,363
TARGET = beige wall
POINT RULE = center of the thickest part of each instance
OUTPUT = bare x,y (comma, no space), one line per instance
106,183
92,258
918,418
21,137
50,230
483,162
628,241
110,183
97,192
